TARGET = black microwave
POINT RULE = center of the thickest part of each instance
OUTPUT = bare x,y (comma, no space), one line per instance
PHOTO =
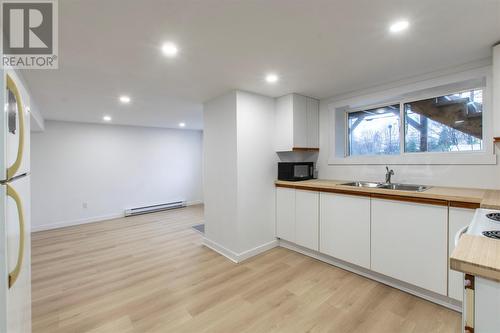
295,171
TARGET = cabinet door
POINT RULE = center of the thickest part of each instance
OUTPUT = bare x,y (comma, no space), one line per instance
458,218
487,304
307,219
345,228
409,243
299,121
283,134
312,123
285,214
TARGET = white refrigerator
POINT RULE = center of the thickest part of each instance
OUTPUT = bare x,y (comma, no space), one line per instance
15,227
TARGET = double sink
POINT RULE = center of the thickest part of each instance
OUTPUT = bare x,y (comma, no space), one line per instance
389,186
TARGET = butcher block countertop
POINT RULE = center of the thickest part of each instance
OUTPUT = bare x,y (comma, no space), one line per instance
475,255
478,256
454,196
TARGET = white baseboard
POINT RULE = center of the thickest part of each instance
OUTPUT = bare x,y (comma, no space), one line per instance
419,292
233,256
194,203
75,222
239,257
257,250
93,219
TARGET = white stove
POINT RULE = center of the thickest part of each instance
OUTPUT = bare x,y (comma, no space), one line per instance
486,223
481,306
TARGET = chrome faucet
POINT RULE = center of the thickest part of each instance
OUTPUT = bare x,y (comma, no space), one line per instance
388,175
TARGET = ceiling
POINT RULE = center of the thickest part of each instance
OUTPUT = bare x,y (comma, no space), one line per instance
319,48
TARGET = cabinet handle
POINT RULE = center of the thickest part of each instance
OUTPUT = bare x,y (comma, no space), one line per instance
20,256
11,171
469,282
459,234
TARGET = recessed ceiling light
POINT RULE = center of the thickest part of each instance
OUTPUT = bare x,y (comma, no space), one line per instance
272,78
169,49
399,26
106,118
182,124
124,99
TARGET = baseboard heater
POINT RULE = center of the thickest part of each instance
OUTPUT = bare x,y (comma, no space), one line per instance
155,208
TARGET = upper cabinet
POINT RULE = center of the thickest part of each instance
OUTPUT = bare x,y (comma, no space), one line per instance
297,123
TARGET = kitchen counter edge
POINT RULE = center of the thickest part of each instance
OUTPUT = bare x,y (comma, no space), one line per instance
453,196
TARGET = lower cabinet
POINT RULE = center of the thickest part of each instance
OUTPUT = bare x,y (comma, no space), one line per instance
345,228
307,219
297,217
285,213
458,218
409,243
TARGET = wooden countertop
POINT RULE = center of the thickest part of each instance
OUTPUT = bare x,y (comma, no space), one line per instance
454,196
478,256
491,200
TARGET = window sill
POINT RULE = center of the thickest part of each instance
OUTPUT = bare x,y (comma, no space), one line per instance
419,159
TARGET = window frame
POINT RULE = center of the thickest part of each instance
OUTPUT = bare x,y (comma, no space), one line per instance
405,92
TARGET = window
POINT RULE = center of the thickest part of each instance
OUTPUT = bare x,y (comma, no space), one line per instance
446,123
374,131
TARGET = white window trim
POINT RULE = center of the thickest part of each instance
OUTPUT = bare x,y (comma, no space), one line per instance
431,88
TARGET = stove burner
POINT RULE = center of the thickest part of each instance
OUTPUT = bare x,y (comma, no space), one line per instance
492,234
494,216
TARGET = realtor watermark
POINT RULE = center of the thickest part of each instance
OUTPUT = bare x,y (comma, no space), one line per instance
29,37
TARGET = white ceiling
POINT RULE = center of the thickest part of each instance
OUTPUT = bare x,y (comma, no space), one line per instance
319,47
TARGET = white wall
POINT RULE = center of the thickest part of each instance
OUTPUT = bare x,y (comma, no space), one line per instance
257,170
479,176
219,170
110,168
239,173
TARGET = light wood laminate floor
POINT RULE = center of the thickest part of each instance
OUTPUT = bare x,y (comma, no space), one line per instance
151,273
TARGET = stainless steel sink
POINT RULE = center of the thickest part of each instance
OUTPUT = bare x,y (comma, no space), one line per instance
405,187
363,184
399,187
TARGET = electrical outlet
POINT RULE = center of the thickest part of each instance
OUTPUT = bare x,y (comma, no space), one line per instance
84,205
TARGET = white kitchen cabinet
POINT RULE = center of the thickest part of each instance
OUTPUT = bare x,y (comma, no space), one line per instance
297,217
312,123
345,228
297,122
457,219
285,213
299,114
409,243
307,219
